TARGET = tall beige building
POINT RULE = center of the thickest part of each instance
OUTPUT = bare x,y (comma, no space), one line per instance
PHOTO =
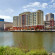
33,18
40,20
36,18
15,21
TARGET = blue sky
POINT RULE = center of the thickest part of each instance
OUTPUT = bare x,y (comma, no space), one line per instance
10,8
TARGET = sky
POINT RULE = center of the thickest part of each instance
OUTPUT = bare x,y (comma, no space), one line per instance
10,8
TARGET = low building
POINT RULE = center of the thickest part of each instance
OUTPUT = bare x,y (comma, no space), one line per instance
8,25
49,24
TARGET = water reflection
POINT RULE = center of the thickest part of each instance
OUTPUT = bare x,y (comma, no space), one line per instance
35,40
6,39
48,41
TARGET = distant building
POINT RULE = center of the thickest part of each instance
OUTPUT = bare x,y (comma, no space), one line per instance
1,19
8,25
5,25
49,24
1,24
49,17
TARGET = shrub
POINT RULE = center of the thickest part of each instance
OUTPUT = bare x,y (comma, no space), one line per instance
37,52
17,51
2,49
10,51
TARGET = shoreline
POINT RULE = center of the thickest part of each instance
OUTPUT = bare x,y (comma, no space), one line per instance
27,31
32,31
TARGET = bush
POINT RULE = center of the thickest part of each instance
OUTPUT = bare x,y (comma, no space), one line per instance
10,51
17,51
2,49
37,52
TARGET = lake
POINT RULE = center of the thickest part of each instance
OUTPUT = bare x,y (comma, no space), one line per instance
29,40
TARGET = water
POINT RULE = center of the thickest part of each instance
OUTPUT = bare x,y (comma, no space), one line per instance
29,40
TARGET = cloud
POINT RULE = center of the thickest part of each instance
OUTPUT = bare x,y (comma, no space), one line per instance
7,14
32,5
33,10
8,11
6,18
36,4
25,10
44,5
52,1
53,5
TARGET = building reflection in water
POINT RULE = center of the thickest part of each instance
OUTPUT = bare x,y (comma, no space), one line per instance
34,40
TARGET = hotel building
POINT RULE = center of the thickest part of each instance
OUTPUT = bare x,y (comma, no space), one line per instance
29,20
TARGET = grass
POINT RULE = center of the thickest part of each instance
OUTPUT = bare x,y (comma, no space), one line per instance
18,51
